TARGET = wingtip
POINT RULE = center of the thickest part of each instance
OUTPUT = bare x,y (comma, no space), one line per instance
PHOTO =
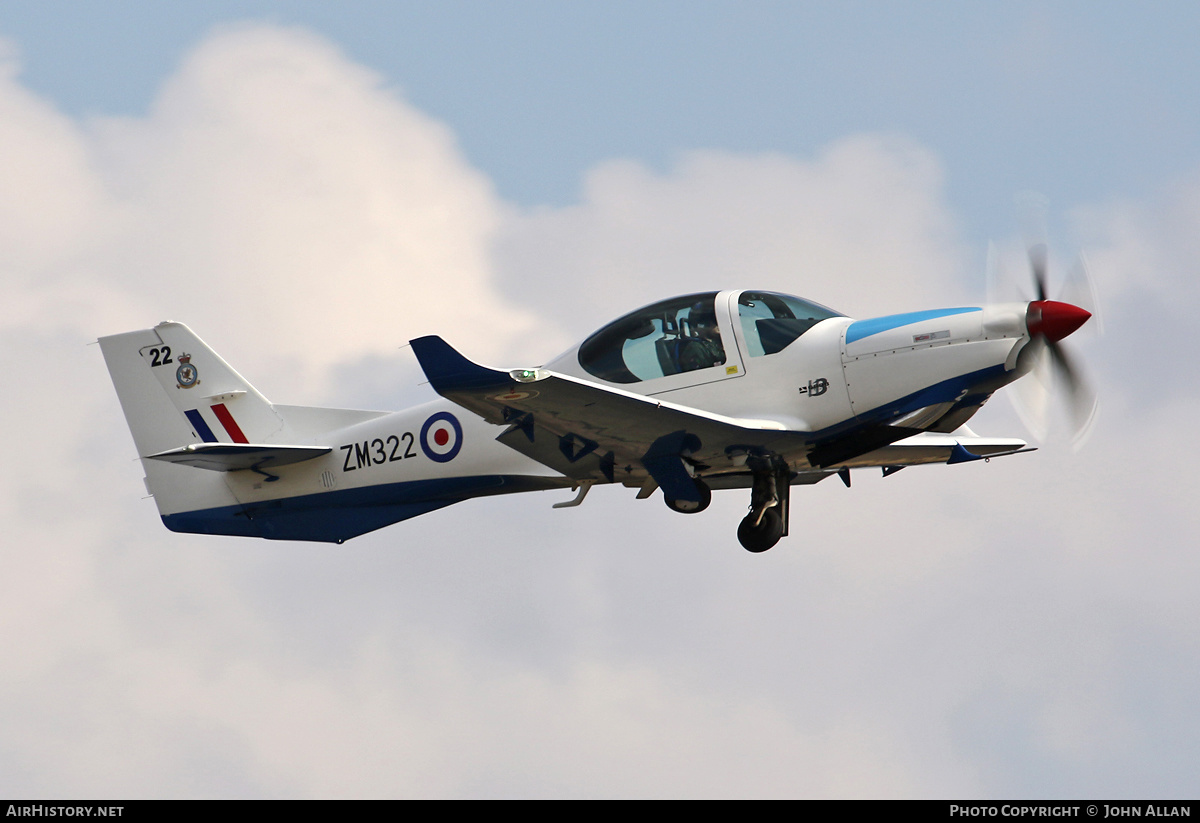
450,371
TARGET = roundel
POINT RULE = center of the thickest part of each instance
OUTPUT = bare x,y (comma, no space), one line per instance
441,437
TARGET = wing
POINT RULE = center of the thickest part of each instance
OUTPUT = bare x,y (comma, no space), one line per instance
960,446
590,432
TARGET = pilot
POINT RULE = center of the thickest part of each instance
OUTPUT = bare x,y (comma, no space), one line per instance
704,349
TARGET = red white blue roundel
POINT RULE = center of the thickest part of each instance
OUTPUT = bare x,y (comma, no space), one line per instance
441,437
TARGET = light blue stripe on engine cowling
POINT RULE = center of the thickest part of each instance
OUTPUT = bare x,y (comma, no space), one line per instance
865,328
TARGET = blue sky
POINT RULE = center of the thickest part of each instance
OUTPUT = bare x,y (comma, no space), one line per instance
1076,99
310,186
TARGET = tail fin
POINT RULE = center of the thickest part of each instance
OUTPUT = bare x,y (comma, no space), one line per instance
178,396
176,391
195,421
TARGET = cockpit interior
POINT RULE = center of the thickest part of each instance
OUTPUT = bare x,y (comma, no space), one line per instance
692,333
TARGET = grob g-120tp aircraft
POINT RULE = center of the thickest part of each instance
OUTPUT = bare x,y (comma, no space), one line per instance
739,389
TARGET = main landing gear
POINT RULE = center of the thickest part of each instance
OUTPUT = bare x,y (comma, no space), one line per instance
691,506
769,499
768,517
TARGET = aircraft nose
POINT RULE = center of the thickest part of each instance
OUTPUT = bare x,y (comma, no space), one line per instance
1054,320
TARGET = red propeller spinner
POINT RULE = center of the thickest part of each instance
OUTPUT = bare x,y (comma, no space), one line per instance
1054,320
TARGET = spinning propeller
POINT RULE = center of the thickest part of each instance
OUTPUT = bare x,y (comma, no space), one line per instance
1050,369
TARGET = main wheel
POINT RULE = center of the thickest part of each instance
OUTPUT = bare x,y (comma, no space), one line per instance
763,536
691,506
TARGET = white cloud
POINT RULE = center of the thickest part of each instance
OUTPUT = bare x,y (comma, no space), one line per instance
868,209
1144,256
278,198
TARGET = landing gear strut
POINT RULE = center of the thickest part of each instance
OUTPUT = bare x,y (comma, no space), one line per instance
768,517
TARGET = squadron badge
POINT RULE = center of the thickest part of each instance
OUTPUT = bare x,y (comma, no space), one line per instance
186,374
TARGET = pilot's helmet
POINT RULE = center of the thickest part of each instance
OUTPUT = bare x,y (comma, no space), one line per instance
702,314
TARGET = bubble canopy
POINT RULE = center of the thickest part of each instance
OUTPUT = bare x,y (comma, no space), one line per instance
691,333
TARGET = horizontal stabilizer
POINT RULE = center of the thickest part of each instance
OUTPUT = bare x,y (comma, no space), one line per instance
229,457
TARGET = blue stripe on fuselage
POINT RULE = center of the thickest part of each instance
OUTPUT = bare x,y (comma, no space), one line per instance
335,516
865,328
943,392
